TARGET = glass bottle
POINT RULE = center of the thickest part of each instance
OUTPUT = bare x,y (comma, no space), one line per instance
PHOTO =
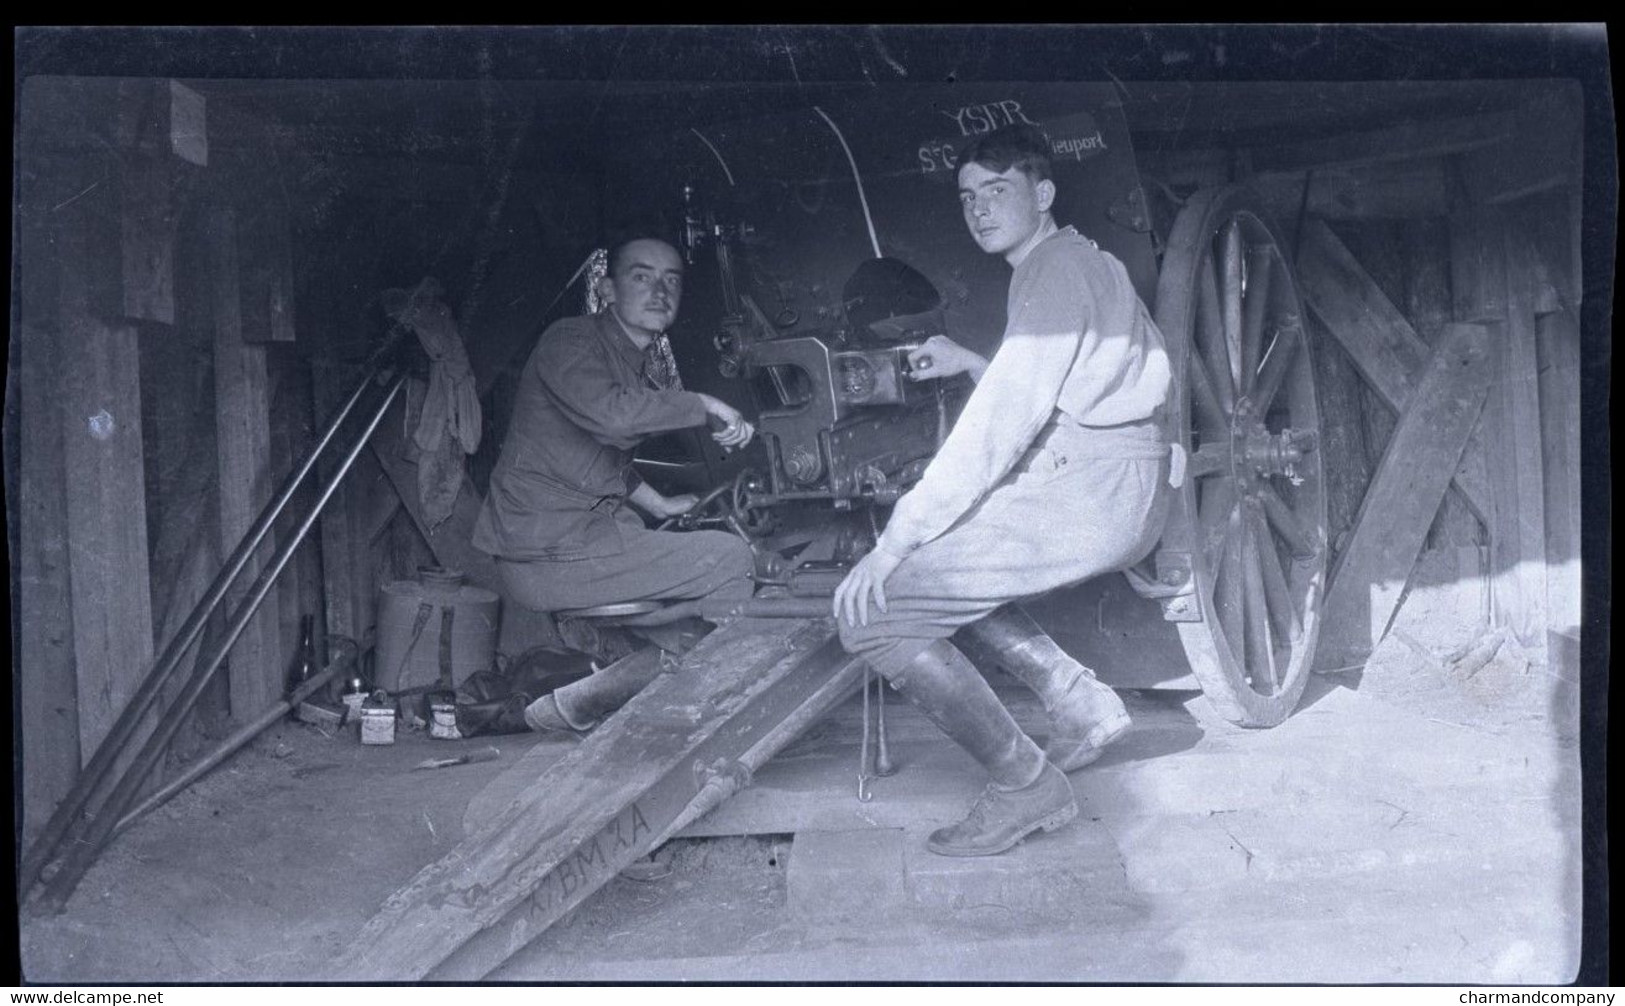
303,665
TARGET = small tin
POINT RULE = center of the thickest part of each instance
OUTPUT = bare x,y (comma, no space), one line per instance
353,702
378,720
443,717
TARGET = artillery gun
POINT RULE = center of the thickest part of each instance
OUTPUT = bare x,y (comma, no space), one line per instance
1233,590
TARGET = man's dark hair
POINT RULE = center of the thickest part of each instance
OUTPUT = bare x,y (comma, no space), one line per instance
617,251
1018,145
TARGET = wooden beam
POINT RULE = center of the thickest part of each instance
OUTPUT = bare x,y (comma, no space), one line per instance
342,592
47,703
1478,268
298,590
106,492
242,409
47,687
1513,424
1547,222
1408,141
1373,244
1371,574
1404,190
1379,340
1559,355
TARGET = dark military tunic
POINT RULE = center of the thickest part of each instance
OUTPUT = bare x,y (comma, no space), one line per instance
556,516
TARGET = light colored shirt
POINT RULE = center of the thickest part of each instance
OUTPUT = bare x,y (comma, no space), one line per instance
1078,340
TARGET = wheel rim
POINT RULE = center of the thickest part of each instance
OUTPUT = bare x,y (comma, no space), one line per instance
1250,519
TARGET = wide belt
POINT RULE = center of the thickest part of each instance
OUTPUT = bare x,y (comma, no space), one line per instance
1140,440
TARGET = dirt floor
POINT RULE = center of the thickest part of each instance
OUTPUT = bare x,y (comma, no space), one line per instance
264,870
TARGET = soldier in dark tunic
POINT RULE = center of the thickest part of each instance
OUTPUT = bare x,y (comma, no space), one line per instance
557,517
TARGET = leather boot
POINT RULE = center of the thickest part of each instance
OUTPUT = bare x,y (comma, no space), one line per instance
580,706
1026,794
1085,714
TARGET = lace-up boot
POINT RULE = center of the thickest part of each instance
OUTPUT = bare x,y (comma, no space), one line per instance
1026,794
1085,714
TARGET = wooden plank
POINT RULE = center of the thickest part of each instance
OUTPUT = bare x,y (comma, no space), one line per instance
1513,423
1378,339
242,409
1408,141
106,493
1407,190
1370,575
683,744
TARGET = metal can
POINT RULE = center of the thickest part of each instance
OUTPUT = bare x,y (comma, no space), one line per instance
443,717
378,720
353,702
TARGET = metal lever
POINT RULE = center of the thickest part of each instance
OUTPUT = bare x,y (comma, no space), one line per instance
864,796
883,762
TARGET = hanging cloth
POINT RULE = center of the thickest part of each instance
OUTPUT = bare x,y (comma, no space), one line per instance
449,425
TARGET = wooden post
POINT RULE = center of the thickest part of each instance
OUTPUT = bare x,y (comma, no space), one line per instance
47,689
106,494
342,592
242,409
266,274
1559,353
1494,281
286,445
148,228
1371,574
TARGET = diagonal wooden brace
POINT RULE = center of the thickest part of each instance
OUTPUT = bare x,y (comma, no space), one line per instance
1386,350
1404,495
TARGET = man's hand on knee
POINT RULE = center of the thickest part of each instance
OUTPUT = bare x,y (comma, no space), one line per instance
866,582
661,507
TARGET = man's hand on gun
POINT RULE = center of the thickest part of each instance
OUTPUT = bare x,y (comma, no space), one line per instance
728,426
939,357
661,507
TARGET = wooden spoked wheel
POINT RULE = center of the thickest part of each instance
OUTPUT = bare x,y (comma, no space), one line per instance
1248,527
